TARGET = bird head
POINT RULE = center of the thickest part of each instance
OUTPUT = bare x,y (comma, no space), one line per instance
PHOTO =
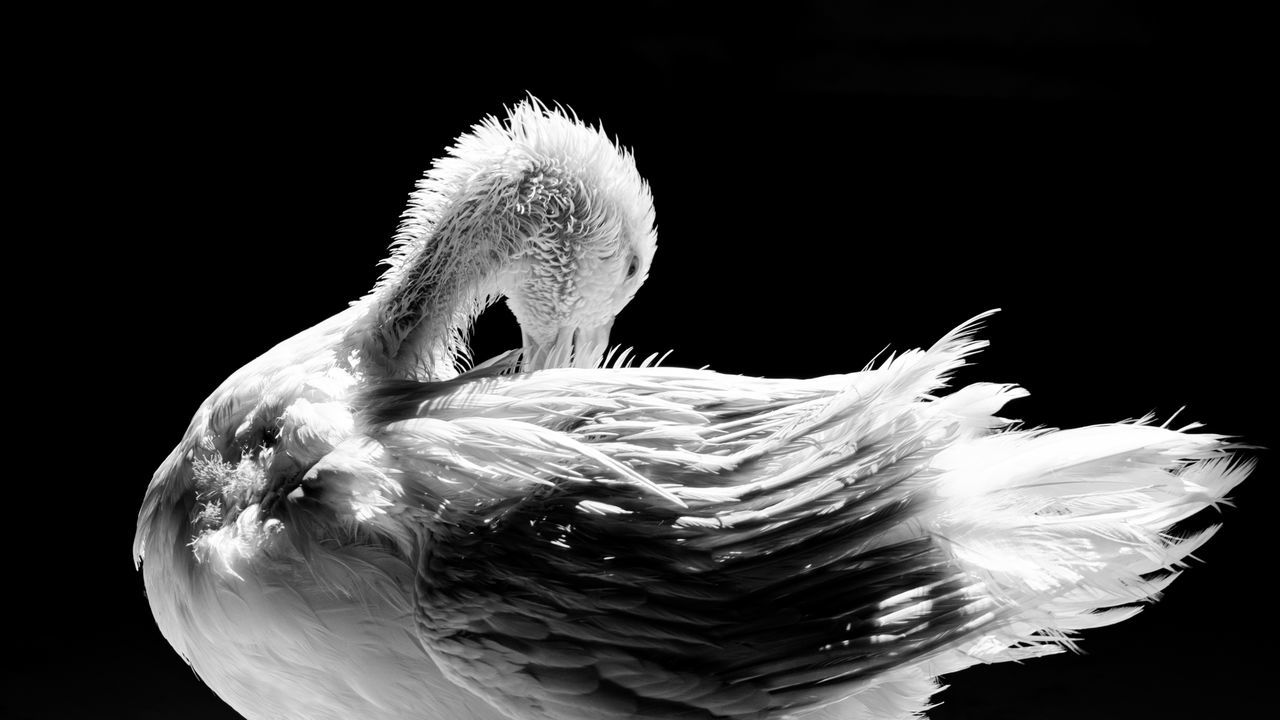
538,208
591,244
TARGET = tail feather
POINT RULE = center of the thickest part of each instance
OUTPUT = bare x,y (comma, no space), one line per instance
1075,528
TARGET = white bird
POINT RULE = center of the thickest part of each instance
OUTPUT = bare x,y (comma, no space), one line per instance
351,529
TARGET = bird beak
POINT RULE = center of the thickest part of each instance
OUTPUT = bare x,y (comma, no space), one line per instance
571,347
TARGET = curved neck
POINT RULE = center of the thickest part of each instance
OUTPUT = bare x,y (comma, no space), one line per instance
445,271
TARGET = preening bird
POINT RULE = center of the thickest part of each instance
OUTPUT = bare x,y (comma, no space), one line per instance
355,525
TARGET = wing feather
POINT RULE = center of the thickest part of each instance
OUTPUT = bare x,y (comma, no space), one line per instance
779,567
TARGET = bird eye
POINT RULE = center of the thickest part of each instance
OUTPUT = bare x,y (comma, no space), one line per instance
634,267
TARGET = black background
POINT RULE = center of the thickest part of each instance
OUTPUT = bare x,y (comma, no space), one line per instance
829,180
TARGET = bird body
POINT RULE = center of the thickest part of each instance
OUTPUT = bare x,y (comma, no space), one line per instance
350,528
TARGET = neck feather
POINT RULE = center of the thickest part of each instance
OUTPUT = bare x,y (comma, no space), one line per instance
448,261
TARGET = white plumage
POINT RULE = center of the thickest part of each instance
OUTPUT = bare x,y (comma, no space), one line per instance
351,529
